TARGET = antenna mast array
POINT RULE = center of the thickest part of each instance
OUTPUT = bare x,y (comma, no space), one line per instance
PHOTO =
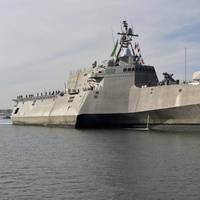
126,39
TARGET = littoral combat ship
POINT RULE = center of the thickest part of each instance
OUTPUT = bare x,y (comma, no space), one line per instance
121,92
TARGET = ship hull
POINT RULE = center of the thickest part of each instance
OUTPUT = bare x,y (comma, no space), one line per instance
133,108
185,115
168,117
46,120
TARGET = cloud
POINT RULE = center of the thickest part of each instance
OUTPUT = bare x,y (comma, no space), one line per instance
189,33
42,41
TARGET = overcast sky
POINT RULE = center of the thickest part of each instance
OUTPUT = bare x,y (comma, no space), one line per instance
41,41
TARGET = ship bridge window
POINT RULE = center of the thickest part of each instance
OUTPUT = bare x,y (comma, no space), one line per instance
151,69
16,110
128,69
138,69
125,69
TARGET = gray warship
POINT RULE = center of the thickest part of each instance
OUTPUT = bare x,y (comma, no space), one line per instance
121,92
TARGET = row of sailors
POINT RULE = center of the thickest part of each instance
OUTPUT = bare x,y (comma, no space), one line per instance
57,92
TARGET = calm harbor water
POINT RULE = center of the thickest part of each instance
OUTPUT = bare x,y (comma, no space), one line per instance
58,163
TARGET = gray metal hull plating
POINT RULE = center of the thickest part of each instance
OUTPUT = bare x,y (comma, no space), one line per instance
169,116
132,109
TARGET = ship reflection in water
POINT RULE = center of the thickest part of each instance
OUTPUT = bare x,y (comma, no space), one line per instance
57,163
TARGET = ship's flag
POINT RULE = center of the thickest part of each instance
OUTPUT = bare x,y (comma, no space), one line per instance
137,47
114,50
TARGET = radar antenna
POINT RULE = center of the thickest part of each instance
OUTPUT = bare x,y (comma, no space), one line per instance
127,36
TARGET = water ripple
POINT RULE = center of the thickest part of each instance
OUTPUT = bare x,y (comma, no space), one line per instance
56,163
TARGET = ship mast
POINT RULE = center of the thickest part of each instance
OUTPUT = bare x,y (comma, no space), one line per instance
127,36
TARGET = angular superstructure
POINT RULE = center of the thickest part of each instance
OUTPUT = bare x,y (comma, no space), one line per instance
121,92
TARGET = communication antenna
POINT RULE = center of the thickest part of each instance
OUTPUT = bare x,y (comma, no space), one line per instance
65,86
185,64
121,26
113,39
132,26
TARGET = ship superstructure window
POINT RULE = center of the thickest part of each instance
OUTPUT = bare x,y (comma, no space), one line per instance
125,69
33,102
144,69
150,69
71,99
129,69
16,111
